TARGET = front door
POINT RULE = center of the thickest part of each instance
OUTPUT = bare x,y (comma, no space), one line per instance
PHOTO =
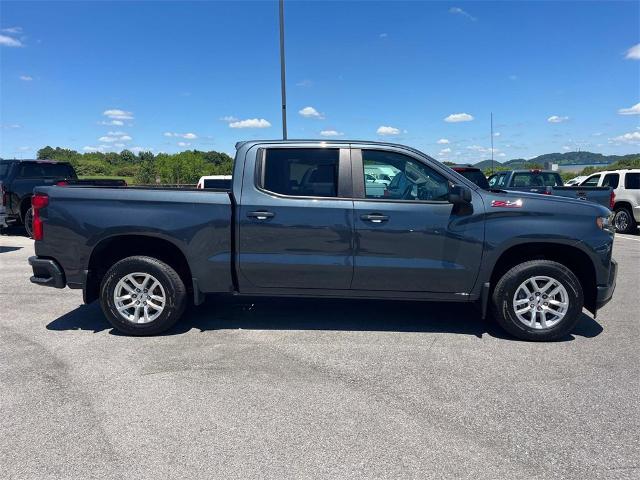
409,238
296,220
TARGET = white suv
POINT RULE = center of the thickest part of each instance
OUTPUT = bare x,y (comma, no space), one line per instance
626,187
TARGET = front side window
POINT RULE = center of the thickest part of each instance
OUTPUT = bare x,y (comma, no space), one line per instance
301,172
393,176
497,180
611,180
591,181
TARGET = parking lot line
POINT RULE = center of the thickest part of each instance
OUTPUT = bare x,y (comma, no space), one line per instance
626,237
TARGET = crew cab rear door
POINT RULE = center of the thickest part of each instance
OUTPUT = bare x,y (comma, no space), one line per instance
295,219
410,238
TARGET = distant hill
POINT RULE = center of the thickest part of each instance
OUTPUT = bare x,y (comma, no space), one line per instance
585,158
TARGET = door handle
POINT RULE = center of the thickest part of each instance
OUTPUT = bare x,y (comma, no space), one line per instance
261,215
374,217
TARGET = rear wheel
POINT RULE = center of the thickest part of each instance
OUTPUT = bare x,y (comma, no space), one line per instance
538,300
28,222
623,220
142,296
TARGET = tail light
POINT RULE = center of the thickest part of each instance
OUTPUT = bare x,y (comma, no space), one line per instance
38,201
612,200
547,192
62,183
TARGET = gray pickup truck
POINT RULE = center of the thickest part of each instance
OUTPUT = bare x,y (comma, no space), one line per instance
548,182
300,220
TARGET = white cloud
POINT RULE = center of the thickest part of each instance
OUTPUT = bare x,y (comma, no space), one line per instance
459,11
383,130
229,118
310,112
445,151
26,78
113,123
6,41
250,123
458,117
117,114
496,134
112,137
305,83
566,148
99,148
23,149
635,110
632,137
10,125
483,150
443,141
183,144
14,30
188,136
331,133
383,35
557,119
633,53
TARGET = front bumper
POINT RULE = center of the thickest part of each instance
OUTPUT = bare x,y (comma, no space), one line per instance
605,292
47,272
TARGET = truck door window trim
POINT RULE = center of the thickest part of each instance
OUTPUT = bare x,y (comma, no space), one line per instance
357,172
344,190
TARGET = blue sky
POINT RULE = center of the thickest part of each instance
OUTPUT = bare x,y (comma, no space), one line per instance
170,76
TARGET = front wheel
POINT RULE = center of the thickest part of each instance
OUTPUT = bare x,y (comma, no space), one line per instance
539,300
142,296
623,220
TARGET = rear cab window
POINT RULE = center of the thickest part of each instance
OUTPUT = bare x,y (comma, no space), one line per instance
301,172
498,180
536,179
45,170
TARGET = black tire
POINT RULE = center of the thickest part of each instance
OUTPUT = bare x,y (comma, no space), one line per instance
28,222
174,291
503,300
623,220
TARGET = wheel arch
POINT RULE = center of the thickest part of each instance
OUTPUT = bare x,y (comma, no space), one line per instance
571,256
114,248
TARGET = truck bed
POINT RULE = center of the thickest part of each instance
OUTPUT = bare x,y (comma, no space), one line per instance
194,221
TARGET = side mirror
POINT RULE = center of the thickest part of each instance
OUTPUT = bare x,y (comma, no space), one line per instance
459,194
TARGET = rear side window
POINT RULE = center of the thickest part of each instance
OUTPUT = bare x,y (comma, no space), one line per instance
536,179
45,170
476,176
301,172
632,181
611,180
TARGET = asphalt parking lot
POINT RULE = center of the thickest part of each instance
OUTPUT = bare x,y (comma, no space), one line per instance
313,389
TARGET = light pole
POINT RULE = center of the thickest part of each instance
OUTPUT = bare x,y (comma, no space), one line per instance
282,73
491,142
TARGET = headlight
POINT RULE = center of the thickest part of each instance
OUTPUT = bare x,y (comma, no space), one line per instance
604,223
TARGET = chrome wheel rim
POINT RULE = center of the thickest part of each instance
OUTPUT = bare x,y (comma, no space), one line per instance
139,298
541,302
621,220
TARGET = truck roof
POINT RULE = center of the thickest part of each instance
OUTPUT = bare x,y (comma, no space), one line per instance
26,160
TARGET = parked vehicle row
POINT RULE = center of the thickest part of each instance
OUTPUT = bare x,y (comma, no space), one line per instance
18,178
300,219
548,182
626,187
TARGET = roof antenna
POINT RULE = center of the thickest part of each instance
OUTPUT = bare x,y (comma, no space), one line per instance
492,143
